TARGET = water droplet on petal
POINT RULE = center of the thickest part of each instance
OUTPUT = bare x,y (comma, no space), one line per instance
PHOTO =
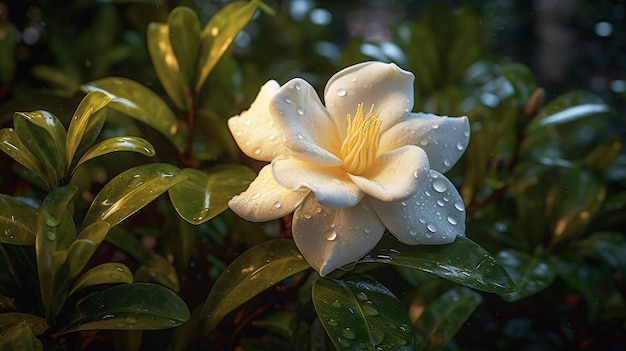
331,236
459,206
298,86
439,185
300,110
466,133
288,99
422,220
342,92
299,136
257,151
255,196
238,133
403,203
435,126
432,228
452,219
460,146
415,174
367,230
441,203
318,209
277,205
427,193
447,163
307,216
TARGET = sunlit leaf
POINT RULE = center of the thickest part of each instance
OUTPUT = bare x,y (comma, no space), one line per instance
20,337
130,191
255,270
531,274
205,195
106,273
141,103
219,33
139,306
167,66
443,317
463,261
184,36
160,271
85,125
362,315
128,143
37,324
17,221
568,108
44,136
13,146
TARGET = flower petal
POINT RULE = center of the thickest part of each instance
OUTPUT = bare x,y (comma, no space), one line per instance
331,238
394,177
435,214
265,199
331,185
388,87
254,130
306,126
443,138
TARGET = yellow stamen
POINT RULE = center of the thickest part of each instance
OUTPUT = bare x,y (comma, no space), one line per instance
361,144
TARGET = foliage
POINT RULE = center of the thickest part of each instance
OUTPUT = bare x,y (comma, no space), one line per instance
93,253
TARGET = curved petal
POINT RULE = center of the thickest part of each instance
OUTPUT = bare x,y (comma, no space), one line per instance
435,214
306,126
443,138
395,175
331,238
254,130
385,85
265,199
331,185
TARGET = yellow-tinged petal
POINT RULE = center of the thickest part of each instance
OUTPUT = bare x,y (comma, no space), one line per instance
265,199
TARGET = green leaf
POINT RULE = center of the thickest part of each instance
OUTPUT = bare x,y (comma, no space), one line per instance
13,146
20,338
141,103
257,269
127,143
129,243
463,261
106,273
184,36
203,196
85,125
44,136
167,66
37,324
219,33
130,191
160,271
17,221
567,108
607,247
362,315
139,306
531,274
523,80
443,318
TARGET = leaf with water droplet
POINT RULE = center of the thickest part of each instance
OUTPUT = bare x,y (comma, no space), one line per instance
106,273
361,313
37,324
251,273
531,274
18,335
205,195
462,261
17,221
443,318
127,143
138,306
12,145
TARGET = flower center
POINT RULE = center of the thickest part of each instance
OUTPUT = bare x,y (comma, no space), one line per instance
361,144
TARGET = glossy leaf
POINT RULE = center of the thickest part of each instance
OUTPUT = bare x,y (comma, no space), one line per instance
160,271
129,243
130,191
127,143
20,337
205,195
17,221
257,269
219,33
167,66
106,273
141,103
443,318
568,108
37,324
362,315
531,274
462,261
13,146
44,136
85,125
139,306
184,36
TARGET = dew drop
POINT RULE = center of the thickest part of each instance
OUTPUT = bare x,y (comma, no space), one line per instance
288,99
307,216
257,151
441,203
459,206
238,133
439,185
431,227
273,137
336,304
298,86
130,320
277,205
427,193
255,196
52,222
299,136
452,219
466,133
51,235
331,236
422,220
342,92
435,126
332,322
424,142
370,311
318,209
300,110
348,334
415,174
403,203
447,163
367,230
361,296
115,276
460,146
120,324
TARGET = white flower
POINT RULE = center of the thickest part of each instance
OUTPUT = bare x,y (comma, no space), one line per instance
348,170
